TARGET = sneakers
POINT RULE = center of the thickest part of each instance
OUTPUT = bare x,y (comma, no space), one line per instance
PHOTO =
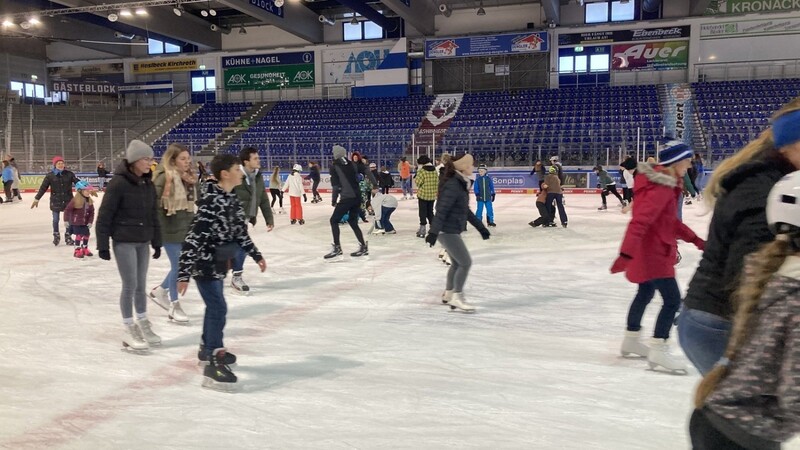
147,332
78,253
659,356
133,339
238,284
363,250
457,301
176,313
447,296
336,251
160,297
633,347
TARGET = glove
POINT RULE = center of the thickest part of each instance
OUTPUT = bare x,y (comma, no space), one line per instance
492,197
431,238
621,263
252,221
700,244
485,233
598,185
105,255
35,204
305,199
333,204
156,252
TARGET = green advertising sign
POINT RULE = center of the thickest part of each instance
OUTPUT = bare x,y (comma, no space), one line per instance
750,6
269,77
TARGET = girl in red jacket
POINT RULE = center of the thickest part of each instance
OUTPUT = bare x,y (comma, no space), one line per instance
80,215
649,251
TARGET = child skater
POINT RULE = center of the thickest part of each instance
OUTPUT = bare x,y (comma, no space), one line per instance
384,205
749,400
650,249
218,231
484,193
294,185
80,214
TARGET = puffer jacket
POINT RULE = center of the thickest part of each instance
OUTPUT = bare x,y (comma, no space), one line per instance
79,216
219,220
452,208
738,228
60,185
484,188
427,181
759,399
651,237
129,210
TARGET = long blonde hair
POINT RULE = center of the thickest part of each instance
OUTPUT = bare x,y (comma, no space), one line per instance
172,153
762,265
754,149
274,178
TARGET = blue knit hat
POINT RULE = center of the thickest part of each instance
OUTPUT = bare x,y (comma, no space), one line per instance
673,152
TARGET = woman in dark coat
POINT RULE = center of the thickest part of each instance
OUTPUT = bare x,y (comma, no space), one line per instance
60,182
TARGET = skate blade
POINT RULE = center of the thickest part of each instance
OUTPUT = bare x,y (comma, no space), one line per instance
661,369
205,363
241,293
335,259
214,385
153,299
633,356
457,309
183,323
136,351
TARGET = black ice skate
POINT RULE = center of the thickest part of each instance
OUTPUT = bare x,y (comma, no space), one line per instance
421,233
68,239
362,251
56,238
204,357
335,254
491,224
217,375
301,221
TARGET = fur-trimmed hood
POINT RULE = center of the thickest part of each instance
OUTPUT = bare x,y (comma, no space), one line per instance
655,174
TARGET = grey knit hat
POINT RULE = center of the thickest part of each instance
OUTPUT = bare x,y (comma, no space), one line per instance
339,152
138,150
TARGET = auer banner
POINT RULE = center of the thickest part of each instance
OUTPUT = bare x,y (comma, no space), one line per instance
497,44
641,34
750,6
269,78
673,55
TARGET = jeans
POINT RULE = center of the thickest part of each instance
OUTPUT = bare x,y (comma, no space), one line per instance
351,207
425,211
489,211
460,261
238,261
132,259
405,183
544,215
703,337
173,251
216,310
56,219
385,214
559,199
668,287
7,189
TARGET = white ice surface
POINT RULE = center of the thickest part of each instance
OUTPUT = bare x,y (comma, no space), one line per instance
357,354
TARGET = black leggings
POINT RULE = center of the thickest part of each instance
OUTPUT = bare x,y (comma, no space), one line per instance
314,189
277,194
610,189
425,211
351,207
706,437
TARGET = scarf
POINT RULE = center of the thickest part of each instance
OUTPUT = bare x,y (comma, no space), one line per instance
56,171
176,196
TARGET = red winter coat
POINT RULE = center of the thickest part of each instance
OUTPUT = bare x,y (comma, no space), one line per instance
79,216
651,238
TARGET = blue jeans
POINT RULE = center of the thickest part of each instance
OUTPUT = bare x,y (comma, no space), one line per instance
703,337
56,219
668,288
489,211
238,261
406,185
216,310
385,214
173,250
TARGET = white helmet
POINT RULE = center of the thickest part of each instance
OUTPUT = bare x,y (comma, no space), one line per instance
783,205
298,168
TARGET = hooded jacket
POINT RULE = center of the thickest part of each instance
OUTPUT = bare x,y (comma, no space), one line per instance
427,181
651,237
294,184
79,216
452,208
484,188
344,178
60,185
738,228
129,210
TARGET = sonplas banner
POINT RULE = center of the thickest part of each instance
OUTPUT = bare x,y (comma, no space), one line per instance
670,55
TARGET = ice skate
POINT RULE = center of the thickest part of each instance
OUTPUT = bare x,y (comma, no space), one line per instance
457,301
491,224
281,210
87,252
421,232
446,260
335,254
217,375
294,221
660,357
301,221
78,253
624,203
378,231
633,347
602,208
392,232
56,238
133,340
68,239
446,296
160,297
204,357
363,250
238,284
146,330
565,224
176,314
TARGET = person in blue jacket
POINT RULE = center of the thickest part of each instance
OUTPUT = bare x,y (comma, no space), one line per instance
484,193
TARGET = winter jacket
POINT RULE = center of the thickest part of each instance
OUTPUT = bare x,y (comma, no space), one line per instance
173,227
79,216
60,185
381,201
484,188
385,179
344,178
294,184
405,169
15,185
246,193
604,178
8,174
427,181
102,172
313,173
452,208
220,220
650,240
129,212
629,178
687,184
738,228
759,399
553,184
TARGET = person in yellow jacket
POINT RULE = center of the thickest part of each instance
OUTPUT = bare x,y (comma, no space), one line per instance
427,181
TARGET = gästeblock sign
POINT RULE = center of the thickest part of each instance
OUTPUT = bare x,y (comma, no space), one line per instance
498,44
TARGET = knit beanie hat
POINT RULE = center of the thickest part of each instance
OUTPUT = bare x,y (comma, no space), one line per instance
464,163
483,167
138,150
339,152
56,159
422,160
673,152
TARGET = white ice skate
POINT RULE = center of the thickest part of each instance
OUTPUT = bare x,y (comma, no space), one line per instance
238,284
147,331
457,301
632,347
447,296
176,313
660,357
281,211
133,340
378,231
160,297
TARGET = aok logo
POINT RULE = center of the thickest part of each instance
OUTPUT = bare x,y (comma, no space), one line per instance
366,60
237,78
304,75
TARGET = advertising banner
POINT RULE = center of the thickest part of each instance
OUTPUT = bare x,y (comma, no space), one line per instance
164,65
274,59
749,28
750,6
149,86
498,44
671,55
345,65
269,77
680,108
85,71
641,34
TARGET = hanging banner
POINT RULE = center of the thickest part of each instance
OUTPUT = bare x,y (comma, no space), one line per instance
750,6
678,123
641,34
498,44
672,55
749,28
276,59
345,64
72,72
269,77
164,65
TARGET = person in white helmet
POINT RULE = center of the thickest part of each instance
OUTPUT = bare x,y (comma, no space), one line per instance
294,185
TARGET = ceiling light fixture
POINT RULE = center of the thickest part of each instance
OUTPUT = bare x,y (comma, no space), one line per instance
178,11
212,11
8,23
242,30
278,3
141,12
113,17
125,13
354,21
481,11
204,13
34,21
25,25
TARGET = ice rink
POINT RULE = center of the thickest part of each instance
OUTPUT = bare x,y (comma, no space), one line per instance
352,355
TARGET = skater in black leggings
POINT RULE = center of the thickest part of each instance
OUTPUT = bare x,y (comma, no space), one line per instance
275,189
314,176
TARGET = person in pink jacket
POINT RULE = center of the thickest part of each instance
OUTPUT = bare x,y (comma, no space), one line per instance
650,249
79,213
